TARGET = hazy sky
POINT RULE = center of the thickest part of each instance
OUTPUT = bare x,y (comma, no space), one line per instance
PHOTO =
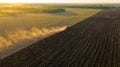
60,1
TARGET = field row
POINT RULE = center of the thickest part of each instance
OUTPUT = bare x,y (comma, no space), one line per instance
93,42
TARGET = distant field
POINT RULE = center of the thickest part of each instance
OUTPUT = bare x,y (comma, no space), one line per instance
16,9
16,29
89,6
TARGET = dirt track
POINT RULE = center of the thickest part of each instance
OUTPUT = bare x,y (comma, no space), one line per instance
93,42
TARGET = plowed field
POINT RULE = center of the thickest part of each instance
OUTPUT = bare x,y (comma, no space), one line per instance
93,42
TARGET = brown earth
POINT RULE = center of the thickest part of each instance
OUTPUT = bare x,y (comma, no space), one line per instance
93,42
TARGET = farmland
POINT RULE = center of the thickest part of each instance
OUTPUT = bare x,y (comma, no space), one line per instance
15,9
93,42
32,25
86,5
59,35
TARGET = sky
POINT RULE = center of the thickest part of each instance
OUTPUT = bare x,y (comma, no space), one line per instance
59,1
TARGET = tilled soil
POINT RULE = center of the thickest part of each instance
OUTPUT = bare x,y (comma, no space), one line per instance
94,42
